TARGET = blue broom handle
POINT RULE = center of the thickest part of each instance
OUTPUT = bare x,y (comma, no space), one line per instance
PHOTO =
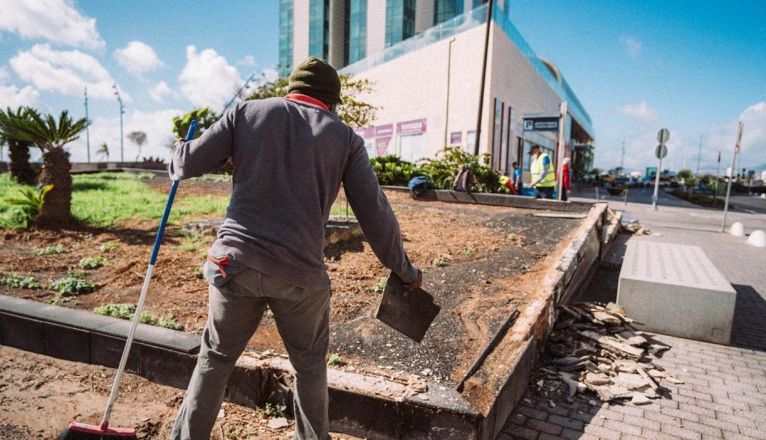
169,204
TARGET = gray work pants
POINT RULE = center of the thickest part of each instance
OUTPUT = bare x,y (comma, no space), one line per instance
235,310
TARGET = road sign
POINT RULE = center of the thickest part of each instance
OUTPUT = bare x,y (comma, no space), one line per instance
541,124
663,135
661,151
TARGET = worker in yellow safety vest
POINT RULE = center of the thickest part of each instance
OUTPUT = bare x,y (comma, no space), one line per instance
543,177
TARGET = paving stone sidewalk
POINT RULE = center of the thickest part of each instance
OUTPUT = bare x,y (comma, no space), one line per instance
724,394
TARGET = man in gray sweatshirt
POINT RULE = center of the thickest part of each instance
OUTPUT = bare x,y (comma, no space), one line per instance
290,157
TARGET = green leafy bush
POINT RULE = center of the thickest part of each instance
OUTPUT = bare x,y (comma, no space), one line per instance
443,169
72,285
93,262
19,282
275,410
379,286
391,170
50,250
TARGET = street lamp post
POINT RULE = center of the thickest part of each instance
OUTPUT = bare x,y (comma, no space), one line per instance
122,112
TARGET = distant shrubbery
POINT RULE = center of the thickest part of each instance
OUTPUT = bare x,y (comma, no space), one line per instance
442,169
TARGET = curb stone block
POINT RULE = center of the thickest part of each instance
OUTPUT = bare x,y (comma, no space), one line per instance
66,343
106,350
21,333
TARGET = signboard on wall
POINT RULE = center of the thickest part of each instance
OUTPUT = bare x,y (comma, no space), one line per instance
541,123
383,134
456,138
408,128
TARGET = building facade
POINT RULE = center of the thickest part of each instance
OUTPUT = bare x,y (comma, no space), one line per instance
424,58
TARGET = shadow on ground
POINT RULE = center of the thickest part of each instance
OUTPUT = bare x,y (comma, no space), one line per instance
748,330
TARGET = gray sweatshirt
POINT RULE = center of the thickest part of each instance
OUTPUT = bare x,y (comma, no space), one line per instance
290,159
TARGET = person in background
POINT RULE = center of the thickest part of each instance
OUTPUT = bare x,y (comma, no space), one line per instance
517,177
565,179
543,176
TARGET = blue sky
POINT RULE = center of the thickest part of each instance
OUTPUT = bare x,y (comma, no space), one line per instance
693,67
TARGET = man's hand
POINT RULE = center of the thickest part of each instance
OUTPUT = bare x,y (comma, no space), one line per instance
415,284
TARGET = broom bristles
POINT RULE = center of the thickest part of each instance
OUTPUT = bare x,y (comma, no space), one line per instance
82,431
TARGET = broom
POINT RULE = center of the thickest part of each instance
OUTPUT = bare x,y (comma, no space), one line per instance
82,431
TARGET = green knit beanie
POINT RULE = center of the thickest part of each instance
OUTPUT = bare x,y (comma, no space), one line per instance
316,78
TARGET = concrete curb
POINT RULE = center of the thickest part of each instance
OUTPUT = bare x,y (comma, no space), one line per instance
367,406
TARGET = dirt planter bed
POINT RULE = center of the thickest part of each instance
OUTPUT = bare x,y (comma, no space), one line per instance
482,261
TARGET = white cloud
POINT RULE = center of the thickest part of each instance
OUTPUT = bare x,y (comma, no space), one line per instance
12,96
65,72
632,45
4,73
208,79
640,111
157,125
138,58
55,20
247,61
159,91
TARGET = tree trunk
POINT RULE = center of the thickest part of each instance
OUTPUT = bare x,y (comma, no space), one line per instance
19,166
56,207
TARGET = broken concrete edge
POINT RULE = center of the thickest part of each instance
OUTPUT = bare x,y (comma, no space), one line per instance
492,199
569,271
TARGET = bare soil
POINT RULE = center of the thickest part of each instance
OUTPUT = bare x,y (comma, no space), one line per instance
40,395
473,257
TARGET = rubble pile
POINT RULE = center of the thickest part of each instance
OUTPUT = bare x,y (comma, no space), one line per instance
635,228
597,347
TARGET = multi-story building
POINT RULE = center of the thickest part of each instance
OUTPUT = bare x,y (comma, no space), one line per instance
424,58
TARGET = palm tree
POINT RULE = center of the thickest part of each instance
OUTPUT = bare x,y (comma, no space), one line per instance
138,138
103,150
51,136
18,149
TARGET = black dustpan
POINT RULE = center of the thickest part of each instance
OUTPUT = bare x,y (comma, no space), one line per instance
408,312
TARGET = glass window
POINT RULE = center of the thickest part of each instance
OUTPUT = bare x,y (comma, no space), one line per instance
447,9
285,37
319,28
356,31
400,20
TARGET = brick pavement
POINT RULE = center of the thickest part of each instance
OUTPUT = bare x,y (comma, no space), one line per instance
723,397
724,394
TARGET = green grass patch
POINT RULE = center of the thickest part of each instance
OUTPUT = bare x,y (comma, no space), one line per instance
340,209
127,311
93,262
50,250
72,285
19,281
334,360
12,216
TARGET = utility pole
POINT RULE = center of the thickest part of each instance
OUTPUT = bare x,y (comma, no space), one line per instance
731,176
622,158
87,125
717,178
490,7
122,112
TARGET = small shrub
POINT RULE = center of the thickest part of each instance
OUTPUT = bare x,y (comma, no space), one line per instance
31,201
127,311
109,247
379,286
469,252
199,273
50,250
391,170
72,285
334,360
274,410
93,262
269,314
169,321
440,262
19,282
